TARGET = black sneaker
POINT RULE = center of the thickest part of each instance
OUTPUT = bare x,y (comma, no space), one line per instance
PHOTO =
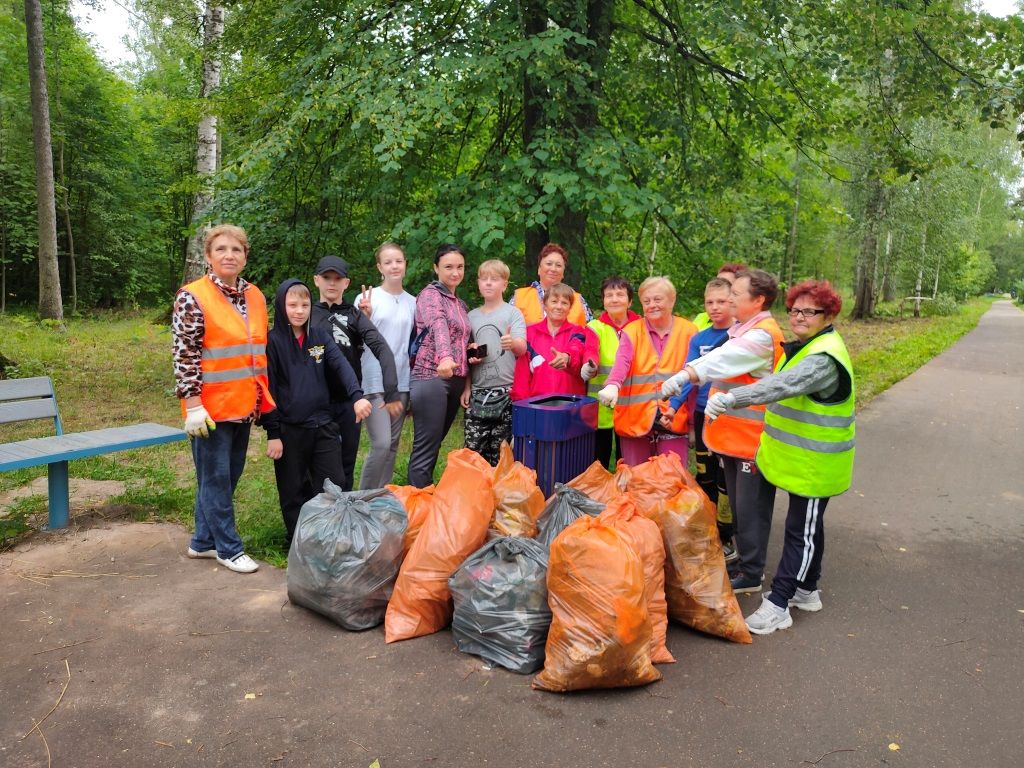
742,584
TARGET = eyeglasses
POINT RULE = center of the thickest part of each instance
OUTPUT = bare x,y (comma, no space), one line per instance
808,313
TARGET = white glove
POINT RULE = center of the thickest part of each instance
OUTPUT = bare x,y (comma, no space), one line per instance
609,395
198,422
674,384
588,371
718,403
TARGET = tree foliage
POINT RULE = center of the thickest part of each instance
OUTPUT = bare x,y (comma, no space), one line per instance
810,139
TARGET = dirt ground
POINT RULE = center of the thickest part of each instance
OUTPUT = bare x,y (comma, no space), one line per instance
130,654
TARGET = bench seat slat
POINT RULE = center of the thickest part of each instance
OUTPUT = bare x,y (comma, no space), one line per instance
18,389
79,445
26,410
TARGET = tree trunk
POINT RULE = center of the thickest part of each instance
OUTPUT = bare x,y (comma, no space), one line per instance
206,150
864,289
50,304
920,272
591,19
535,21
787,272
888,281
65,206
938,269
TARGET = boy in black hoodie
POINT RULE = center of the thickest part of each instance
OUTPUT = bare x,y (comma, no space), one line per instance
302,437
351,330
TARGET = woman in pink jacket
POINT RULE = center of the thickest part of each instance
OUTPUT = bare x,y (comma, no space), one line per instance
438,376
556,350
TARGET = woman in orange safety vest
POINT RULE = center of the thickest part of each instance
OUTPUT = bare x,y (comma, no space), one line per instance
651,350
550,271
219,326
753,348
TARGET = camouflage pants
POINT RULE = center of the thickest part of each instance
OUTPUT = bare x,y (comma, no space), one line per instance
485,436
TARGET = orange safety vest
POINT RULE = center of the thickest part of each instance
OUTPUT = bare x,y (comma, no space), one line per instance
737,432
640,400
528,302
234,363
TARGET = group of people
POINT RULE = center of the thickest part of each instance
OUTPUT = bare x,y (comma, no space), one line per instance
764,414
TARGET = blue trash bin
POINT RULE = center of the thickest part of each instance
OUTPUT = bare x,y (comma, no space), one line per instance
554,435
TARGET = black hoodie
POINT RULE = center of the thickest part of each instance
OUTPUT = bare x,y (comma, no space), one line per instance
299,380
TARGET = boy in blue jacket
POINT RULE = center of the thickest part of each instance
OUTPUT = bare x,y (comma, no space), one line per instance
302,437
718,309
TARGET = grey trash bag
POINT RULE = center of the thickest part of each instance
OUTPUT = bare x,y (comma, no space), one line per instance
564,507
501,603
345,555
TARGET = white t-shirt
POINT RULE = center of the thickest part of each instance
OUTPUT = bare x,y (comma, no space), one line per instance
394,317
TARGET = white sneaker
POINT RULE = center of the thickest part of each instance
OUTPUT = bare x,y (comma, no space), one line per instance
240,563
195,555
804,600
768,618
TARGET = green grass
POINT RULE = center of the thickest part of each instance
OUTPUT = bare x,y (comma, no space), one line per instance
114,369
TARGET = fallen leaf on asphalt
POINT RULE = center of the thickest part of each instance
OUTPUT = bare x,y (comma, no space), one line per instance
903,549
250,696
894,747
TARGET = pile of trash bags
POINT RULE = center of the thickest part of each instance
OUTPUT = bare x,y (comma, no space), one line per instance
580,586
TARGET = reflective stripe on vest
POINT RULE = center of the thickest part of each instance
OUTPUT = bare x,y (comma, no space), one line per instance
234,356
608,345
807,447
737,432
640,400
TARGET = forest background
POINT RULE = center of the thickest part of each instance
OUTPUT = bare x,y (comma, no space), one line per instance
875,143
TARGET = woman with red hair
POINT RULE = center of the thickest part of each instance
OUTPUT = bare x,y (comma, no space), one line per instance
551,263
807,446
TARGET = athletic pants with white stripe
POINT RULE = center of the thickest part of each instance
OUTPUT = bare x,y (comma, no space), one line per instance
802,548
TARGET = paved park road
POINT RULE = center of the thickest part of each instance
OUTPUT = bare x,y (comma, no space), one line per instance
916,659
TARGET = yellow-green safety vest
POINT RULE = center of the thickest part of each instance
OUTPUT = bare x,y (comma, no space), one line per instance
608,338
702,321
807,446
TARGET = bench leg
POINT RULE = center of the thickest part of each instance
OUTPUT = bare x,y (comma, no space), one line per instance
60,494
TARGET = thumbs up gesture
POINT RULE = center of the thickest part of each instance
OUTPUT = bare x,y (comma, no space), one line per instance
506,339
559,360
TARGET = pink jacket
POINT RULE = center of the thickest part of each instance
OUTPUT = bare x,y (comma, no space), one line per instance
444,316
533,374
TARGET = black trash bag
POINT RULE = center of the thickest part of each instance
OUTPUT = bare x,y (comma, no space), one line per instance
564,507
345,555
501,603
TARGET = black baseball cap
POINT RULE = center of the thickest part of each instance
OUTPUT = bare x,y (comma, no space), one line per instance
332,264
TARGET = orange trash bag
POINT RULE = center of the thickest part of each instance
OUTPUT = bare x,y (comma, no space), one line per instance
456,526
416,502
661,477
518,500
696,580
645,536
597,482
600,633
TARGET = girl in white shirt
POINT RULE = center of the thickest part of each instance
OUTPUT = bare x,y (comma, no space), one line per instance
392,309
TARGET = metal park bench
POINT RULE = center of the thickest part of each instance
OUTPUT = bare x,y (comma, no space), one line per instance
29,399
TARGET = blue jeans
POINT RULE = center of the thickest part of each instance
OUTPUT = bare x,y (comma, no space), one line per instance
219,460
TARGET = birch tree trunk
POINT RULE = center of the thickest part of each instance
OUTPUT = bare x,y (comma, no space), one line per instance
888,281
206,150
65,204
920,272
50,304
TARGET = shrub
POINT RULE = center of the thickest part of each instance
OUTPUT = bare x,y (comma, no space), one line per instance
944,305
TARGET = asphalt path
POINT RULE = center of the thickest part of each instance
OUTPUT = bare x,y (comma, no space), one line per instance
916,659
